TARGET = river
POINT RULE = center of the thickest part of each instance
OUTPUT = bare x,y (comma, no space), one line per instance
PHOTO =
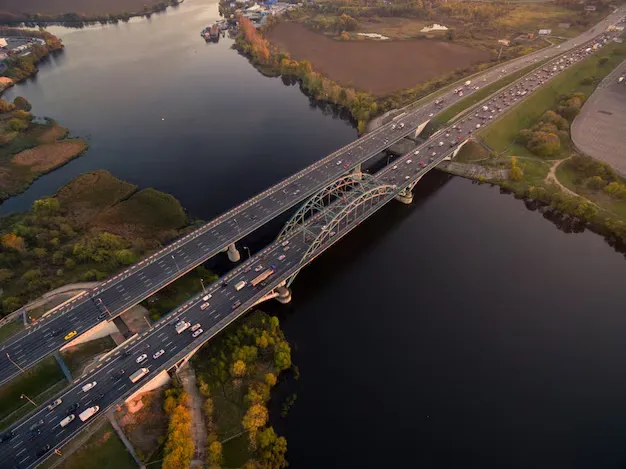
461,331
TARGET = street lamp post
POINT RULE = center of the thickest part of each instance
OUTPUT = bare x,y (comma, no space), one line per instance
11,360
24,396
202,283
146,319
174,259
247,249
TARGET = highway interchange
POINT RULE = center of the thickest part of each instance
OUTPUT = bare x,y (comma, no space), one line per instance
111,388
141,280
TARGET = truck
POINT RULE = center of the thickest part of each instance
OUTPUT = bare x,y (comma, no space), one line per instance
262,276
239,285
468,82
88,413
137,375
67,420
181,326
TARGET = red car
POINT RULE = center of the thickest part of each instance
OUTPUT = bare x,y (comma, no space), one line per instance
422,163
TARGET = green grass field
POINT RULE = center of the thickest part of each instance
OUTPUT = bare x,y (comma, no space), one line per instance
33,383
10,329
502,133
77,356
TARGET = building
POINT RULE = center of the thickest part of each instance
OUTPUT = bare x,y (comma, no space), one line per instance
545,32
3,42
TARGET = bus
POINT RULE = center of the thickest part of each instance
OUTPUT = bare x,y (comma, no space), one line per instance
262,276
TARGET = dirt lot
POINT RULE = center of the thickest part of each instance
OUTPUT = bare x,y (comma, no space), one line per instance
87,7
50,155
380,68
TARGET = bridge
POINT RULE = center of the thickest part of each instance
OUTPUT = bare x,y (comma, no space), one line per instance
329,213
140,281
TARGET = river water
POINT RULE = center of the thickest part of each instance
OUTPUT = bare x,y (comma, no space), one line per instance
461,331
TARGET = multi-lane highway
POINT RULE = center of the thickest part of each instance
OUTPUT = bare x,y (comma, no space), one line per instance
26,447
141,280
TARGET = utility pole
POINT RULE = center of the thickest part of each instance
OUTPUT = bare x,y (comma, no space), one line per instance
28,398
247,249
177,268
202,283
11,360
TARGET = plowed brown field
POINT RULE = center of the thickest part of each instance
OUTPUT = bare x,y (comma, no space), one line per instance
379,67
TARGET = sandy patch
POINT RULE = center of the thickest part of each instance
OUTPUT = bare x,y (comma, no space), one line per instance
379,67
49,155
54,133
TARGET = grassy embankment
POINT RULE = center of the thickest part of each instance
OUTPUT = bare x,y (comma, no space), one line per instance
550,145
102,450
78,356
39,383
236,372
29,149
11,328
93,227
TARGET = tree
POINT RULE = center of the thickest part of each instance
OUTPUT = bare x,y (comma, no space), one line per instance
602,61
21,103
272,449
270,379
5,107
5,275
17,125
11,304
344,36
282,355
208,407
46,206
255,417
23,115
12,241
214,453
238,369
596,182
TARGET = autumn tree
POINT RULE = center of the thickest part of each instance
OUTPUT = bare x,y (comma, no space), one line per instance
238,369
12,241
214,454
255,417
272,449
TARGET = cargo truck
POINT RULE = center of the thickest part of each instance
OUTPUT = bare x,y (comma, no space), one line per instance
87,414
137,375
181,326
239,285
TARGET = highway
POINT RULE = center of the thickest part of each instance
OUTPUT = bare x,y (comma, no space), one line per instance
143,279
286,257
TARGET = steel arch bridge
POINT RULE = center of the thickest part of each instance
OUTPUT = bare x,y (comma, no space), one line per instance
329,214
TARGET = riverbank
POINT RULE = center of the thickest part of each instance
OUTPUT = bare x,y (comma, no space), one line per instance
90,228
532,143
35,13
31,147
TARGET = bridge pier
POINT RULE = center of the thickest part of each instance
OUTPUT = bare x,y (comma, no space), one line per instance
420,128
284,295
233,253
406,196
358,175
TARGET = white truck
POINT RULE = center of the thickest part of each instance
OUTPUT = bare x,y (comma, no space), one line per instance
468,82
88,413
137,375
239,285
181,326
66,421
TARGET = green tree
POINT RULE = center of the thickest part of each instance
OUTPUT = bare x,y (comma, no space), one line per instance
5,275
17,125
282,355
11,304
596,182
21,103
46,206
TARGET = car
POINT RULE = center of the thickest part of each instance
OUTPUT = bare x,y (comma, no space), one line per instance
338,163
34,434
286,248
36,425
71,409
409,161
395,167
197,333
127,353
55,332
121,374
281,257
422,163
158,354
69,335
141,358
6,436
102,315
55,404
332,233
88,386
416,152
346,165
407,177
207,297
258,268
195,326
43,451
224,284
204,306
236,304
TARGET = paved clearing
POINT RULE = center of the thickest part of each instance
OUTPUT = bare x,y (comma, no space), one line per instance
380,67
88,7
599,129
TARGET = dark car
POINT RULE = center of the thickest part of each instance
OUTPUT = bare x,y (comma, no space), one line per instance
7,436
224,284
127,353
72,408
34,434
43,451
36,425
55,332
102,315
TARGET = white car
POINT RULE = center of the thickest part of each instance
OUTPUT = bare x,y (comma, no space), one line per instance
88,386
409,161
158,354
55,404
204,306
207,297
258,268
338,163
407,177
395,167
281,257
197,333
416,152
141,358
195,327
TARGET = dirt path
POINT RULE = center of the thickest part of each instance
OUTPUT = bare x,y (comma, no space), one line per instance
551,178
198,428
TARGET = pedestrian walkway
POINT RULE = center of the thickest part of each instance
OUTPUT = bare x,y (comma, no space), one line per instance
126,441
188,379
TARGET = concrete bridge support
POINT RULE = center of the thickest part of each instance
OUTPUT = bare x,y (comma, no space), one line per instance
420,128
406,196
101,330
358,175
233,253
159,380
284,295
63,366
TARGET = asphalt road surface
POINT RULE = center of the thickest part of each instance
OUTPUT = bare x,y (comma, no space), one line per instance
28,447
